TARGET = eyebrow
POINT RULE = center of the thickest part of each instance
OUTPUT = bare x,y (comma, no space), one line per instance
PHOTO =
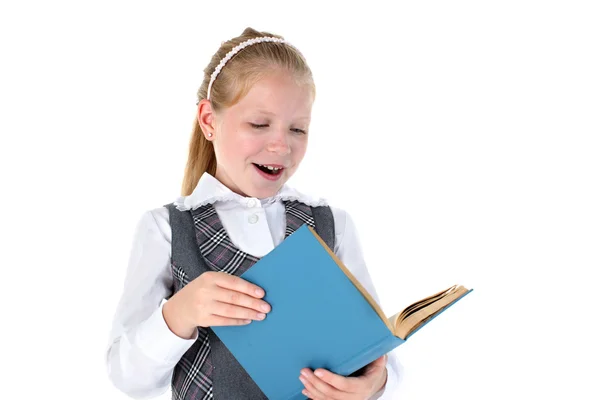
273,114
266,112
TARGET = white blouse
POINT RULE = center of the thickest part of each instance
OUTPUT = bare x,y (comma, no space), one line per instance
142,351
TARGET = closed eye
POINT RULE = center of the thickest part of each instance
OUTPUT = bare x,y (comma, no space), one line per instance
258,126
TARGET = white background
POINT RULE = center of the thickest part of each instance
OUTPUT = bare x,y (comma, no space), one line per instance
462,136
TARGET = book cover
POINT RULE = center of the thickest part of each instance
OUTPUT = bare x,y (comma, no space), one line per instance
320,317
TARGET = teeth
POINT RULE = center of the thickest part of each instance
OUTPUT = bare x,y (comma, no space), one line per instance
270,167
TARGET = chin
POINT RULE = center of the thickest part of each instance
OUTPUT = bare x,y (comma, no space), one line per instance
261,188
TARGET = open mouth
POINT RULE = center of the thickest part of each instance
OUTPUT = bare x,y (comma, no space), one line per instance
269,170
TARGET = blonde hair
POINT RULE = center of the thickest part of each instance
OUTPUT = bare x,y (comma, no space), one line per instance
233,82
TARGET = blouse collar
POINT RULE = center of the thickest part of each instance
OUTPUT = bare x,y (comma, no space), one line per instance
210,190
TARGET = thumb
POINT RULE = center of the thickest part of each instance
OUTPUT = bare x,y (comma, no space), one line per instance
377,365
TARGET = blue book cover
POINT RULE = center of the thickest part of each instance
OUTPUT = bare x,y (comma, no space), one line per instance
321,317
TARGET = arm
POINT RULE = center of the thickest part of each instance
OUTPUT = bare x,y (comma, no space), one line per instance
142,351
348,248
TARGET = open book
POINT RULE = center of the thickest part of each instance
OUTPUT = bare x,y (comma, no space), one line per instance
321,317
415,316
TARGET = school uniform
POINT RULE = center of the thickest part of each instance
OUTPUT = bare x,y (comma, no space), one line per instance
211,229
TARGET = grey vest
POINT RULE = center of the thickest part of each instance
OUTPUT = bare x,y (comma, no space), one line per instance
199,244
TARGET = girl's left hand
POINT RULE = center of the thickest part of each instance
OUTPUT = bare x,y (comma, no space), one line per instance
329,386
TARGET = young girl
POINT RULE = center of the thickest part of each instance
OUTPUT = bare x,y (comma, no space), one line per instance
250,135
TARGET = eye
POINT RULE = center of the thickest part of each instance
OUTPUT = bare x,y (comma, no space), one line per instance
295,130
258,125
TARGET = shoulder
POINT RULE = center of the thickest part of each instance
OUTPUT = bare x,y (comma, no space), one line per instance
154,222
160,215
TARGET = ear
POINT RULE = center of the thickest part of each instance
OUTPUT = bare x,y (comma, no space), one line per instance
206,119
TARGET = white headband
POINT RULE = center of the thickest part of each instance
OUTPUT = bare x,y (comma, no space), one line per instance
235,50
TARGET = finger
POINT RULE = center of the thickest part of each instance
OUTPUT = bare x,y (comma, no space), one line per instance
233,311
341,383
241,299
321,388
381,361
310,391
217,320
238,284
311,396
376,366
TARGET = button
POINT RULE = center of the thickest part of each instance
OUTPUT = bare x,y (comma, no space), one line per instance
251,203
253,219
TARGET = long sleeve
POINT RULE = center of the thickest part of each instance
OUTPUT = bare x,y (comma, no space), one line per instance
142,351
349,250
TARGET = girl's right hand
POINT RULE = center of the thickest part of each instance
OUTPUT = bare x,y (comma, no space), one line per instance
214,299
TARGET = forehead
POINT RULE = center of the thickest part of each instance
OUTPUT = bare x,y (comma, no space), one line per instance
278,94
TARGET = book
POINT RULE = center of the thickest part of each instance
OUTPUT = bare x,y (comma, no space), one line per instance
321,317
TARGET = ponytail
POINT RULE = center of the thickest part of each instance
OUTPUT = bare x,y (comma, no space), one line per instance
201,159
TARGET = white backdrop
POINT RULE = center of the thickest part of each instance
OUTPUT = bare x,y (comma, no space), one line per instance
475,123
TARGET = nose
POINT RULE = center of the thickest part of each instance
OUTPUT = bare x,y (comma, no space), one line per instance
279,142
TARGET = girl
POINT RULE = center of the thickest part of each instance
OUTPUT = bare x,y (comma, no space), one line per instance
250,135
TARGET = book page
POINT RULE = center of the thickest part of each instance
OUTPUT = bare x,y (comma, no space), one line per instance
403,327
401,315
425,302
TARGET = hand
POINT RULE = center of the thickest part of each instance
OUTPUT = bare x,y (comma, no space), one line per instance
214,299
330,386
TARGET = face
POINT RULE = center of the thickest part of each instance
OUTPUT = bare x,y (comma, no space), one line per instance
260,141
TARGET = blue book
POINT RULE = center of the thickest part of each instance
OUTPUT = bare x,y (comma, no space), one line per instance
321,317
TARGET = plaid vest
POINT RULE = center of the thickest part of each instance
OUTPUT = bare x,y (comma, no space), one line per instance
200,243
